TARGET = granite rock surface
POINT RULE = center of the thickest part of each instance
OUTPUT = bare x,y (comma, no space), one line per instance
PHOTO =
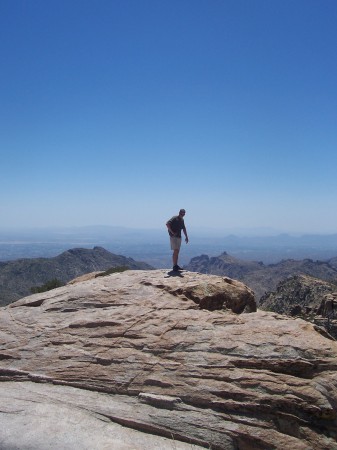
185,359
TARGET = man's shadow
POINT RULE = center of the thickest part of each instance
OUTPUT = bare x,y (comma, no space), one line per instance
174,273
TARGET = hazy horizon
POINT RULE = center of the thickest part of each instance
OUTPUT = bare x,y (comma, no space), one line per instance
123,112
201,231
152,245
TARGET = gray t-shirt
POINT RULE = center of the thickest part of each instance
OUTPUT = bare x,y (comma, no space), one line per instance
177,224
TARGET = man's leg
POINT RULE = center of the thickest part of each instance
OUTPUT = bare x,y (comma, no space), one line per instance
175,257
175,246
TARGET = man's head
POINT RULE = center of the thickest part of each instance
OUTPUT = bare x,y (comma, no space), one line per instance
182,212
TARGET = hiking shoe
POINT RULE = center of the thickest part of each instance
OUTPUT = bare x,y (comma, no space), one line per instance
176,268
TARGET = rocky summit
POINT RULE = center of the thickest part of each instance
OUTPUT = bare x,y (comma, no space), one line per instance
162,360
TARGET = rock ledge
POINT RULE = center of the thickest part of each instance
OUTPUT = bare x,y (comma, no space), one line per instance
166,355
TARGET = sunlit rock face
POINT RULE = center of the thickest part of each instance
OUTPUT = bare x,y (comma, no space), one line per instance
154,359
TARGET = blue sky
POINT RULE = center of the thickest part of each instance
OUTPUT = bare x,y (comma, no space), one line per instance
121,112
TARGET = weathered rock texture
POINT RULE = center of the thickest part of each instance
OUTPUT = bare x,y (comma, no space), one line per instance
165,355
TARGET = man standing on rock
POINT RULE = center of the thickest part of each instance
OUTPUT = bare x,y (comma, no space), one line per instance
174,226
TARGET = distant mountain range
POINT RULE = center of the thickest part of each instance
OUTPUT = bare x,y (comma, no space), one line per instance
259,276
19,276
152,246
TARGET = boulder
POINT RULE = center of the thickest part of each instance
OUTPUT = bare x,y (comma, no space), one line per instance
154,359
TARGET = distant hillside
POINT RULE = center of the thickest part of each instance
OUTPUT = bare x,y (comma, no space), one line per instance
333,262
306,297
297,293
260,277
19,276
224,264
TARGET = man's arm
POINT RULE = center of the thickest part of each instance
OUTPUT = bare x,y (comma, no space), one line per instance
185,233
168,224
